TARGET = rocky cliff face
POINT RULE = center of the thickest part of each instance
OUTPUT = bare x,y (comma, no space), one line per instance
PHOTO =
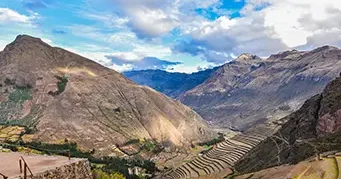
330,112
171,84
66,96
311,130
251,90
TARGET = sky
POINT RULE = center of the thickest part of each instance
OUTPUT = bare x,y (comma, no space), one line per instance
173,35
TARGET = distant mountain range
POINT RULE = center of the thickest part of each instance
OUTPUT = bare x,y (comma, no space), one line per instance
304,144
65,97
250,90
171,84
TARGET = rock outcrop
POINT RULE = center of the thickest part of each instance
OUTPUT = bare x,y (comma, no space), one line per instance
311,130
67,97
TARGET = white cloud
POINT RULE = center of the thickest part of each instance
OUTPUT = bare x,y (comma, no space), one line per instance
189,68
146,14
9,16
3,44
126,59
151,23
297,21
154,18
110,20
88,32
121,68
48,41
266,27
143,50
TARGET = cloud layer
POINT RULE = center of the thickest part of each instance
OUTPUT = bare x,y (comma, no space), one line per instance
186,34
144,63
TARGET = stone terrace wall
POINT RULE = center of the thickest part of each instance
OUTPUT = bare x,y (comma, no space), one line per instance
78,170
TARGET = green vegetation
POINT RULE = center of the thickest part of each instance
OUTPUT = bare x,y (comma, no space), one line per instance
206,149
61,83
29,121
99,174
328,143
232,175
20,95
12,108
114,164
149,145
132,141
143,145
213,141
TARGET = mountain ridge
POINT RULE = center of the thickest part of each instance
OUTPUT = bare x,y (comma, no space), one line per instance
171,84
65,96
244,93
312,130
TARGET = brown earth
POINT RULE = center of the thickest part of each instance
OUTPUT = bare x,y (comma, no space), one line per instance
99,107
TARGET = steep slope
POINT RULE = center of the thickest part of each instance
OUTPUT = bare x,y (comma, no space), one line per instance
251,90
171,84
66,96
313,129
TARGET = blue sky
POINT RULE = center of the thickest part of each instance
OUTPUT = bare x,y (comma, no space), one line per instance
173,35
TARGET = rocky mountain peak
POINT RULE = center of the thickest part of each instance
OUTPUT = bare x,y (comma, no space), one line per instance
247,92
324,48
247,57
285,55
25,41
21,38
67,96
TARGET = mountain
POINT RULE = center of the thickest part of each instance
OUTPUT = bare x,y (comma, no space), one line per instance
170,84
251,90
313,129
64,96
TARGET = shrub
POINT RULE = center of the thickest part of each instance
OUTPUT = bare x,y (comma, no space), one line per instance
61,84
20,95
213,141
99,174
132,141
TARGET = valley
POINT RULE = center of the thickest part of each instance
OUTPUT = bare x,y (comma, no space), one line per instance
251,90
275,112
287,140
162,89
